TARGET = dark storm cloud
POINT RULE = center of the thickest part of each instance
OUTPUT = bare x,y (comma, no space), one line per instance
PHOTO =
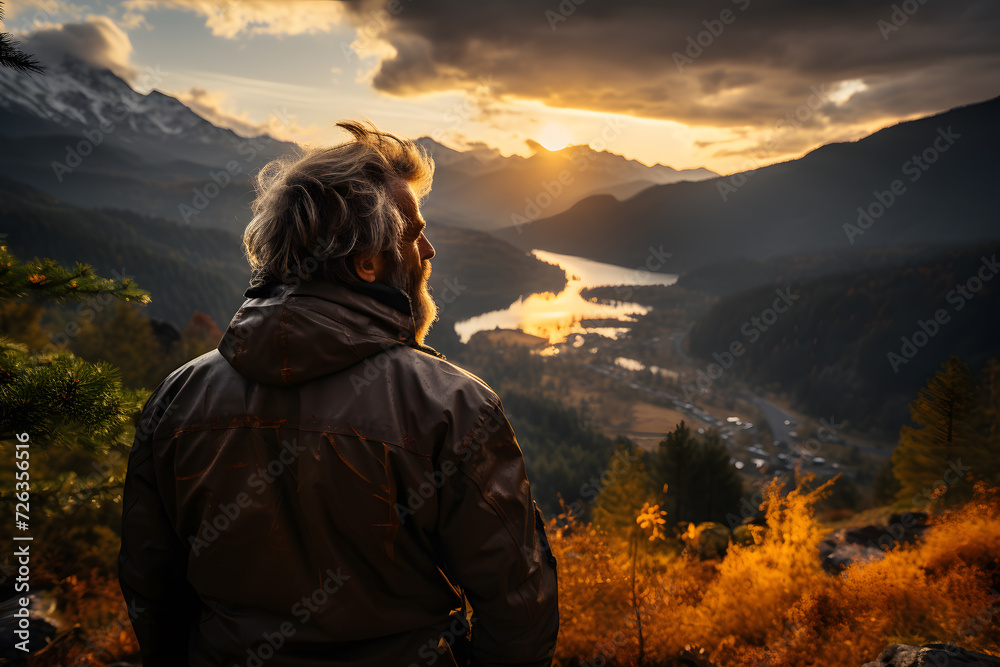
764,60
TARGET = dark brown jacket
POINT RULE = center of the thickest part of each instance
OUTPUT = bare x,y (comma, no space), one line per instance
319,491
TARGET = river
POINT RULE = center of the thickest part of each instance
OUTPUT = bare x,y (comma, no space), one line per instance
557,316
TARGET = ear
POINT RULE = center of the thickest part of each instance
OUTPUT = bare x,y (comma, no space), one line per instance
368,268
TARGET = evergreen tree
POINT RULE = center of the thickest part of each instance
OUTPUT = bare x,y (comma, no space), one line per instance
886,486
700,482
122,335
719,486
676,466
12,56
933,449
981,432
625,487
59,397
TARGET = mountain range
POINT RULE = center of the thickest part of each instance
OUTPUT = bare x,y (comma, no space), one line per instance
83,135
482,189
927,181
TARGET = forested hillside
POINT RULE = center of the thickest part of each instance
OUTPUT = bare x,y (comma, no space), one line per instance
190,268
924,181
185,268
859,345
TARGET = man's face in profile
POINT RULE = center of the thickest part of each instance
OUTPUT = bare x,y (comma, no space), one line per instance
412,275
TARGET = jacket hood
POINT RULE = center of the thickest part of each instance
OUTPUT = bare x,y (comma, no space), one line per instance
286,334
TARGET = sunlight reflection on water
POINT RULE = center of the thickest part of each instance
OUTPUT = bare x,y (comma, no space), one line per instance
557,316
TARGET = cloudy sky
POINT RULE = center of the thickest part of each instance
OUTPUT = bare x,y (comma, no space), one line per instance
728,85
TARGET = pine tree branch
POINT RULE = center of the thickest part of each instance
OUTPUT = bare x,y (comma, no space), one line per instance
48,280
13,57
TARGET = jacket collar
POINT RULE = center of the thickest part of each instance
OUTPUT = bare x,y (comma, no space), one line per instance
285,334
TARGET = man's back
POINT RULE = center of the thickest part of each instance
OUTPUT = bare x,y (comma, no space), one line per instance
325,485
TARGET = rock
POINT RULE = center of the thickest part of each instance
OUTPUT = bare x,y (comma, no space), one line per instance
932,655
867,543
708,539
40,630
743,535
837,553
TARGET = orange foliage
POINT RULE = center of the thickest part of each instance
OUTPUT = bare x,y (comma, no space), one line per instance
765,604
94,625
772,604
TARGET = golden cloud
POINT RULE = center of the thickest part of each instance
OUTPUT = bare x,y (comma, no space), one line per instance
231,19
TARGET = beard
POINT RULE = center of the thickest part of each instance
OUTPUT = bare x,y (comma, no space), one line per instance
413,282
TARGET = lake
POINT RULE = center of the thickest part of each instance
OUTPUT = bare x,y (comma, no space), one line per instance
558,316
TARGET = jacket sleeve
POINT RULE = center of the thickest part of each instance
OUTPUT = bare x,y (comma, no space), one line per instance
494,545
152,564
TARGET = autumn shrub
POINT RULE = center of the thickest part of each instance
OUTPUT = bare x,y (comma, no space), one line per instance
593,596
771,604
745,606
940,589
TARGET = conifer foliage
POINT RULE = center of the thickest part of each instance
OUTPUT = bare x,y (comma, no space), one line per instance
13,57
700,482
58,397
956,437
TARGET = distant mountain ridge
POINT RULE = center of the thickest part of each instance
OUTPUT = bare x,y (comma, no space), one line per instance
944,170
83,135
74,97
482,189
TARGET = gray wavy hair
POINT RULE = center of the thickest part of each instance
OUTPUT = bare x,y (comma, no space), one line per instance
318,210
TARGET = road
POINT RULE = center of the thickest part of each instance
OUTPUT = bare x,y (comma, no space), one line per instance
776,416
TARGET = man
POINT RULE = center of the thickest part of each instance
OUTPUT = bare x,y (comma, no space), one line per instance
324,489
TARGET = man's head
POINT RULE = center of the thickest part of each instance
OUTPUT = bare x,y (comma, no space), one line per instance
348,213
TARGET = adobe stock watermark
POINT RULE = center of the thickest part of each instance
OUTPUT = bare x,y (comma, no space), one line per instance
240,330
749,507
303,610
914,168
211,529
984,618
896,531
375,366
462,111
106,126
900,14
551,190
478,435
619,465
605,651
752,330
562,12
218,180
435,647
655,260
958,296
697,44
451,290
790,122
85,312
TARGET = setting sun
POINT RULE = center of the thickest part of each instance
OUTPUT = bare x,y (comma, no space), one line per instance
555,137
